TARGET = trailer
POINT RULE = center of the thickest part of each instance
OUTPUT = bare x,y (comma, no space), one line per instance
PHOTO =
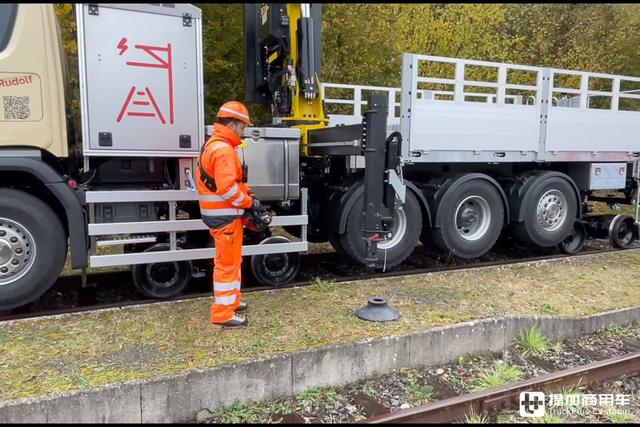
463,151
494,145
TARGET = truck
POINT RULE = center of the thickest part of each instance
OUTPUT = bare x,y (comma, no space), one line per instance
465,150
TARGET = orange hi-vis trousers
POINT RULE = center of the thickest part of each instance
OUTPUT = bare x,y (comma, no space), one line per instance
226,270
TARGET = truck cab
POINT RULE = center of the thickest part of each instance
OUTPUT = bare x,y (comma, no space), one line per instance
40,211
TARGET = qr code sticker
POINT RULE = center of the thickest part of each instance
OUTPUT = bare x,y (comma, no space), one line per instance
16,107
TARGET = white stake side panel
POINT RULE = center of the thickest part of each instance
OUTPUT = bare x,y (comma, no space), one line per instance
504,127
140,79
495,129
577,130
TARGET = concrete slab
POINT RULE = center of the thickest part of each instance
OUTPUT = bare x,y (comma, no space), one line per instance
339,365
179,397
119,403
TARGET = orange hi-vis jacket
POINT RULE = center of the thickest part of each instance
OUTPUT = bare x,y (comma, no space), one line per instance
220,160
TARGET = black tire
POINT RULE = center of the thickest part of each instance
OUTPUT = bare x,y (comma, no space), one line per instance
40,225
453,234
275,269
574,242
162,280
621,231
556,228
355,247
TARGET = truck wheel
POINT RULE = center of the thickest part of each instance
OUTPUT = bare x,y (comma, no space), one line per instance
548,212
33,248
469,219
275,269
404,236
162,280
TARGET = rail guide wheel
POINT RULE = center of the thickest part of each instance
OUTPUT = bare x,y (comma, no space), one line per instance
162,280
622,231
275,269
574,242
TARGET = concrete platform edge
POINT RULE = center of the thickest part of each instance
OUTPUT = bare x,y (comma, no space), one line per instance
179,397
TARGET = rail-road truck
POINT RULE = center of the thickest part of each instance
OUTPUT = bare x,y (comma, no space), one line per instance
464,151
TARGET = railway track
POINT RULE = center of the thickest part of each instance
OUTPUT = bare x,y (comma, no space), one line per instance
491,402
333,270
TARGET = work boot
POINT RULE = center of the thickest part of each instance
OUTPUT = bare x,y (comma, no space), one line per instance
242,306
234,322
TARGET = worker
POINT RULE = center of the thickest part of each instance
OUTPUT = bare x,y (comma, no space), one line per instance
224,197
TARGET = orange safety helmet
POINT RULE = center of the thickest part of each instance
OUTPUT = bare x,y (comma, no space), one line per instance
234,110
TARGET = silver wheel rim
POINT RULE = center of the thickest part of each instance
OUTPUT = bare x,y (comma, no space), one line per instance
399,230
473,217
552,210
17,251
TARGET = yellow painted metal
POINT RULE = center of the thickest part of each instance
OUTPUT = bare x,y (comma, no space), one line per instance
303,110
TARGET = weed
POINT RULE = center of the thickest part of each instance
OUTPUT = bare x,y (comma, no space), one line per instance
239,413
321,285
533,342
572,401
473,418
507,417
318,394
616,331
616,416
549,309
418,394
368,390
252,412
500,374
557,347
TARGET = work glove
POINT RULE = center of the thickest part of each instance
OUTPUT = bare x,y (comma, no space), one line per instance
260,212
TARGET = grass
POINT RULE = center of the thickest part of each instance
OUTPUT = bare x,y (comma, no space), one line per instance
253,413
533,342
320,394
473,418
418,394
500,374
616,416
52,356
617,331
368,390
572,399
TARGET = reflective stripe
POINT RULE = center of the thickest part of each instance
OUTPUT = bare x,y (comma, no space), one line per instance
221,286
210,198
228,300
221,212
214,147
234,112
239,200
229,194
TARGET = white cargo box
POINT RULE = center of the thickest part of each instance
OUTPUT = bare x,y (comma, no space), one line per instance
141,79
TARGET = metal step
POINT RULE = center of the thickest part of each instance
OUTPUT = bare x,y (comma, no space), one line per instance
125,240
